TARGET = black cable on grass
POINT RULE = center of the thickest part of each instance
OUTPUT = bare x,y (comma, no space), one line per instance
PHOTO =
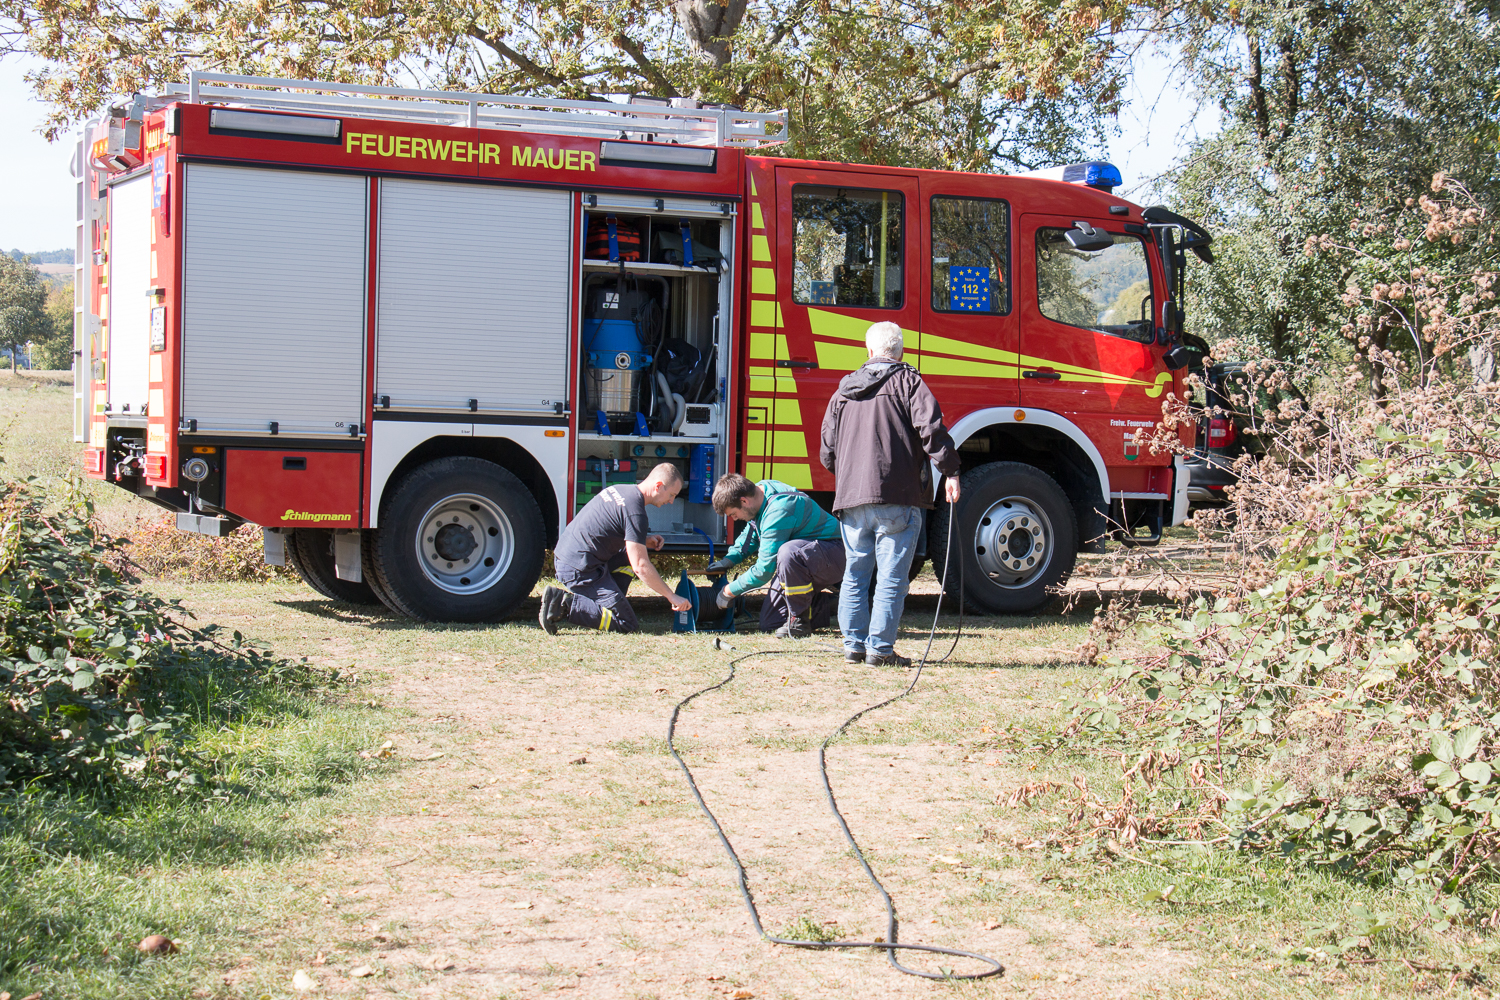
890,946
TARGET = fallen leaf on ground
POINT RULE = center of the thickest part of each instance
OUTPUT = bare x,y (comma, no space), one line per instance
302,981
320,958
360,972
156,944
520,906
580,760
947,860
743,995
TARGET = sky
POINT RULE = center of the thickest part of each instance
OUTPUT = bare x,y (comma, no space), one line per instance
1159,122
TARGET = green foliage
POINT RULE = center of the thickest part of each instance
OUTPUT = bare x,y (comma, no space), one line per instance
101,682
1326,110
925,83
1346,711
56,352
23,305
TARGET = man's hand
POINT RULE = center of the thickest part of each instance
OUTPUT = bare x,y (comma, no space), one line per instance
680,603
655,542
718,566
950,489
724,599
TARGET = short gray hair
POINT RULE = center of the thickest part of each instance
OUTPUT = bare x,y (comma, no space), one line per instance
883,340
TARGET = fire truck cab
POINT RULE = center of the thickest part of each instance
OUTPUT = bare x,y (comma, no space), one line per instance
410,333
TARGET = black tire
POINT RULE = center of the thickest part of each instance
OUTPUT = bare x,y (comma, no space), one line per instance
367,556
310,551
482,560
981,539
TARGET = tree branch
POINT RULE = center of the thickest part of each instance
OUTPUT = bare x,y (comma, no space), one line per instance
527,66
649,69
958,76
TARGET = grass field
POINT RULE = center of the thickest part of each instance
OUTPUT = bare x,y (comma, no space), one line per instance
525,834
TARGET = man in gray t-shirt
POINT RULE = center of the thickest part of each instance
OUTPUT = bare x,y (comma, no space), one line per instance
602,548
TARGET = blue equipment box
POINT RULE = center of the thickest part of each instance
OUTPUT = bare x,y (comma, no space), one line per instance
700,484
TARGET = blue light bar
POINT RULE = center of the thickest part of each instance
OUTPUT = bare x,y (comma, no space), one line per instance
1104,176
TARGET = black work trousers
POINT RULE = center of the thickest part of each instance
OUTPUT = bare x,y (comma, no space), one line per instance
804,568
598,595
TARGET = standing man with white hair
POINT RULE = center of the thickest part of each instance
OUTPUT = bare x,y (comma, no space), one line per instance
882,427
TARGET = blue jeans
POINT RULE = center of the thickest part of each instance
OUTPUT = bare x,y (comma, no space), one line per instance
881,537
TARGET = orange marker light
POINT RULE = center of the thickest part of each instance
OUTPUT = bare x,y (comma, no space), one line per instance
555,434
1020,414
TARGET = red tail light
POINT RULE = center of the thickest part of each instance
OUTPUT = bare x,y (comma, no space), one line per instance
156,467
1222,432
93,461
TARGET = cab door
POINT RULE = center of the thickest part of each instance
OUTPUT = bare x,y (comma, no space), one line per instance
969,330
1087,339
845,241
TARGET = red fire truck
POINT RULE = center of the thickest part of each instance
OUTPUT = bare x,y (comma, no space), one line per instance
409,333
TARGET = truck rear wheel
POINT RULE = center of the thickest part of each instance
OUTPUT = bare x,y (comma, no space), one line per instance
310,551
1015,538
460,540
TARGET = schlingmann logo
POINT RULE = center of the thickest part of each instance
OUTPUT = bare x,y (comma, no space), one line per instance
302,515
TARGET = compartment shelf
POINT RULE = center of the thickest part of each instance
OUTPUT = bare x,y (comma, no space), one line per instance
655,439
594,264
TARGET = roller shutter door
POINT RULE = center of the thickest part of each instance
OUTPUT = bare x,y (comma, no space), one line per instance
273,313
473,296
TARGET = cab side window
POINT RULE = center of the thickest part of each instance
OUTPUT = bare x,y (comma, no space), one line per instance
847,247
1108,291
970,255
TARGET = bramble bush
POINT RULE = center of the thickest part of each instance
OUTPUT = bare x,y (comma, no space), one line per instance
103,682
1341,704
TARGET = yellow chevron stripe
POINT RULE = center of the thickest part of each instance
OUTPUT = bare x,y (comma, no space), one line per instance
762,281
778,411
766,312
752,185
757,221
930,361
794,474
760,249
790,444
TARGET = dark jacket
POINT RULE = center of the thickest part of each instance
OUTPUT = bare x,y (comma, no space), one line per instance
880,429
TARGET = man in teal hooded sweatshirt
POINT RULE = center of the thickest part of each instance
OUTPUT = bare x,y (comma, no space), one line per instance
797,548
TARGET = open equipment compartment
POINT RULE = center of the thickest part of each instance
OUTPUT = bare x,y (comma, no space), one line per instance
656,301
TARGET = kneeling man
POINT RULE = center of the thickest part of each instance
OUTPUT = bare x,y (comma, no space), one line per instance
796,545
602,549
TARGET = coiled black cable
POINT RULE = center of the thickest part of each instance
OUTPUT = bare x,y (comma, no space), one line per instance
890,946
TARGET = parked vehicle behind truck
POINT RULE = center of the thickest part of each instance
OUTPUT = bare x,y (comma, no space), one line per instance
410,333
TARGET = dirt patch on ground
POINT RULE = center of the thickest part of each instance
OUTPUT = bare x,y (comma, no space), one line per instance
538,838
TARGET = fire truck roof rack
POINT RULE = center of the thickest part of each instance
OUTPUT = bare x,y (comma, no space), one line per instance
710,126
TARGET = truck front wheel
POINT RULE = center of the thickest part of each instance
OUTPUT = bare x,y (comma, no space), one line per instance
1015,537
310,551
460,540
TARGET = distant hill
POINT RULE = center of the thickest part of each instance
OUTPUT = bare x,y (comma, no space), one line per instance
46,256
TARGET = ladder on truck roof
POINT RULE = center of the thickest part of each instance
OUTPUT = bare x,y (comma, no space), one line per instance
689,125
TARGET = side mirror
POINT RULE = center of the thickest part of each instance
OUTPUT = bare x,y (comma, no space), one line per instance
1088,239
1178,357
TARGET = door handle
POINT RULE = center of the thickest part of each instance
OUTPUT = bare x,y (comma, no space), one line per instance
796,364
1049,376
